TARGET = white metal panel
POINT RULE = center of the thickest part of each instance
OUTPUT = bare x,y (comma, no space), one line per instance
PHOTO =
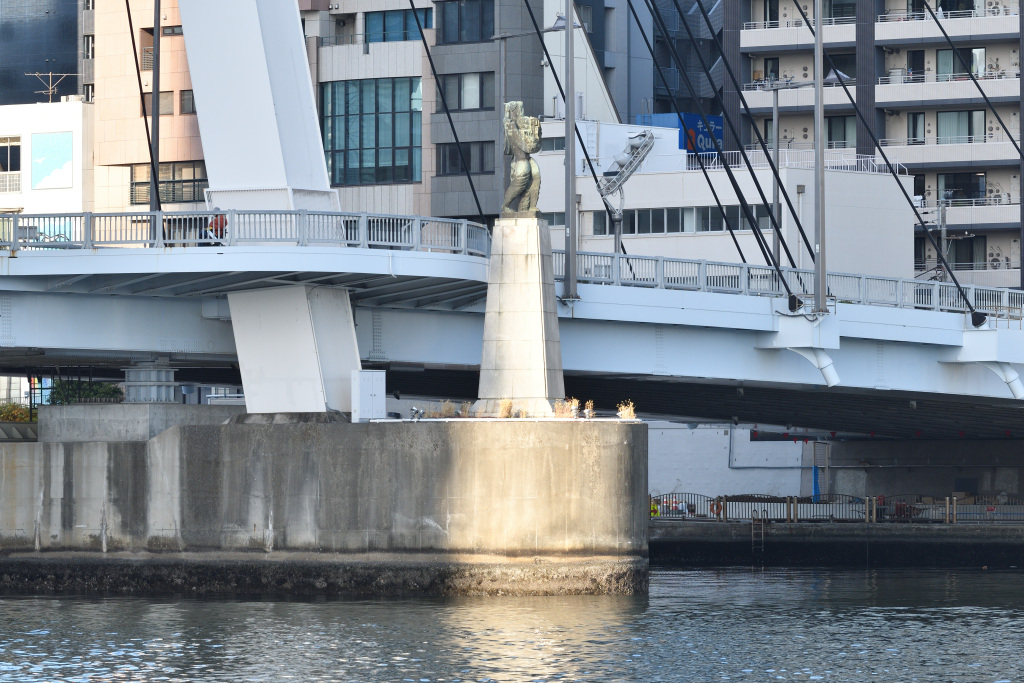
368,399
335,338
255,101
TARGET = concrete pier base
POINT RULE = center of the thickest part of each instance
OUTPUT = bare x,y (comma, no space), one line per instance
451,506
314,574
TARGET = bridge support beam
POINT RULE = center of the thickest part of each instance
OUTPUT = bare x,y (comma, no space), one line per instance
1006,372
296,349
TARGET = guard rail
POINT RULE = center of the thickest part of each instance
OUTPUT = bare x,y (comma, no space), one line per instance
659,272
162,229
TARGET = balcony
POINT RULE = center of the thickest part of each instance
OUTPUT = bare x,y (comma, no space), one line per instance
922,90
759,96
10,181
998,272
990,212
942,152
792,34
994,23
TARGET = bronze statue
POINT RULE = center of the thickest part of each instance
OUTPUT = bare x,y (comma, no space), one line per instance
522,138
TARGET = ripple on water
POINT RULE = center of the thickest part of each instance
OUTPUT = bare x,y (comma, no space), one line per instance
704,625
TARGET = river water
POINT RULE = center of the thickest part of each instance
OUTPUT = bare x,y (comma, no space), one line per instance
696,625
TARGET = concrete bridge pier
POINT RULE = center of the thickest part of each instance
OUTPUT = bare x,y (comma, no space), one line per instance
296,348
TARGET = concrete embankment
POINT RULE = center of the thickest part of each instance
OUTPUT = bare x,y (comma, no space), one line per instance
304,504
706,544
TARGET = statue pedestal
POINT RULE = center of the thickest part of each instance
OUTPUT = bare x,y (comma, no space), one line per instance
522,355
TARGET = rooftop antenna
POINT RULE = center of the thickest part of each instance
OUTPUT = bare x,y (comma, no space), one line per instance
51,85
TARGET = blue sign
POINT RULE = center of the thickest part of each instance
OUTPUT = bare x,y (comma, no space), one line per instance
695,136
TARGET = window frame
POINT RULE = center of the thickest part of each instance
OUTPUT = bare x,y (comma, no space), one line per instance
459,100
459,10
449,162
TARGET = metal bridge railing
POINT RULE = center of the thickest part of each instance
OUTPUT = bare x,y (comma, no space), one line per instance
233,228
899,508
659,272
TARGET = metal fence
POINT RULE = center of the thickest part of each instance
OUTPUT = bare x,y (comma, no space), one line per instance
737,278
208,228
896,508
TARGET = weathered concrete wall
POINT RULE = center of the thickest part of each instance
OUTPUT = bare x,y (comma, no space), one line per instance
460,487
124,421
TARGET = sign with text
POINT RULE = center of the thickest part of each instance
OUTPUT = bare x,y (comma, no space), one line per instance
695,136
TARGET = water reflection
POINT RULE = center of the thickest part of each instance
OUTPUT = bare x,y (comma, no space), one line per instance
695,626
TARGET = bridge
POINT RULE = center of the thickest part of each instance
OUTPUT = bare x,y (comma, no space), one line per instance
680,337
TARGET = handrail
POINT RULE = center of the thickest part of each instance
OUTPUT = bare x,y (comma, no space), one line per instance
1001,11
990,138
796,23
803,157
162,229
659,272
994,75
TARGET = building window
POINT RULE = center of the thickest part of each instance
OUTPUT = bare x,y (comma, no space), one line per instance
172,31
842,131
179,182
915,128
466,21
188,102
840,9
373,130
396,25
89,4
89,92
586,14
553,219
961,188
479,156
466,92
552,144
10,164
948,66
88,46
166,104
959,127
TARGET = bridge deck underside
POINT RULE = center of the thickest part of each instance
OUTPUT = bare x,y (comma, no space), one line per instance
886,414
366,288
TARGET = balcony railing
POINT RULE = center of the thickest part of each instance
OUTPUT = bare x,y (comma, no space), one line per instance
797,23
1002,11
990,138
242,228
798,158
658,272
10,181
894,79
347,39
769,85
171,191
1001,199
995,263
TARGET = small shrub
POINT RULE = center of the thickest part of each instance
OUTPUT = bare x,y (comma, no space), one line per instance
14,412
626,410
466,409
505,408
447,409
570,407
589,406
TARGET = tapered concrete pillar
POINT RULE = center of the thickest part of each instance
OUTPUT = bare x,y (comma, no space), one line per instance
296,349
522,354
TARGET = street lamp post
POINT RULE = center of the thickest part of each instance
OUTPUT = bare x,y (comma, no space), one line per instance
820,274
569,284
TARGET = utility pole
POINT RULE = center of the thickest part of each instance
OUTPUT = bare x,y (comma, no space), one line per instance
775,181
1020,127
154,181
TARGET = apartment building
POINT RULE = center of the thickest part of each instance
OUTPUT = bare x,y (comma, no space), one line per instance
918,99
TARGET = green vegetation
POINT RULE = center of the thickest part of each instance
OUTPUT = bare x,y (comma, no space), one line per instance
64,392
